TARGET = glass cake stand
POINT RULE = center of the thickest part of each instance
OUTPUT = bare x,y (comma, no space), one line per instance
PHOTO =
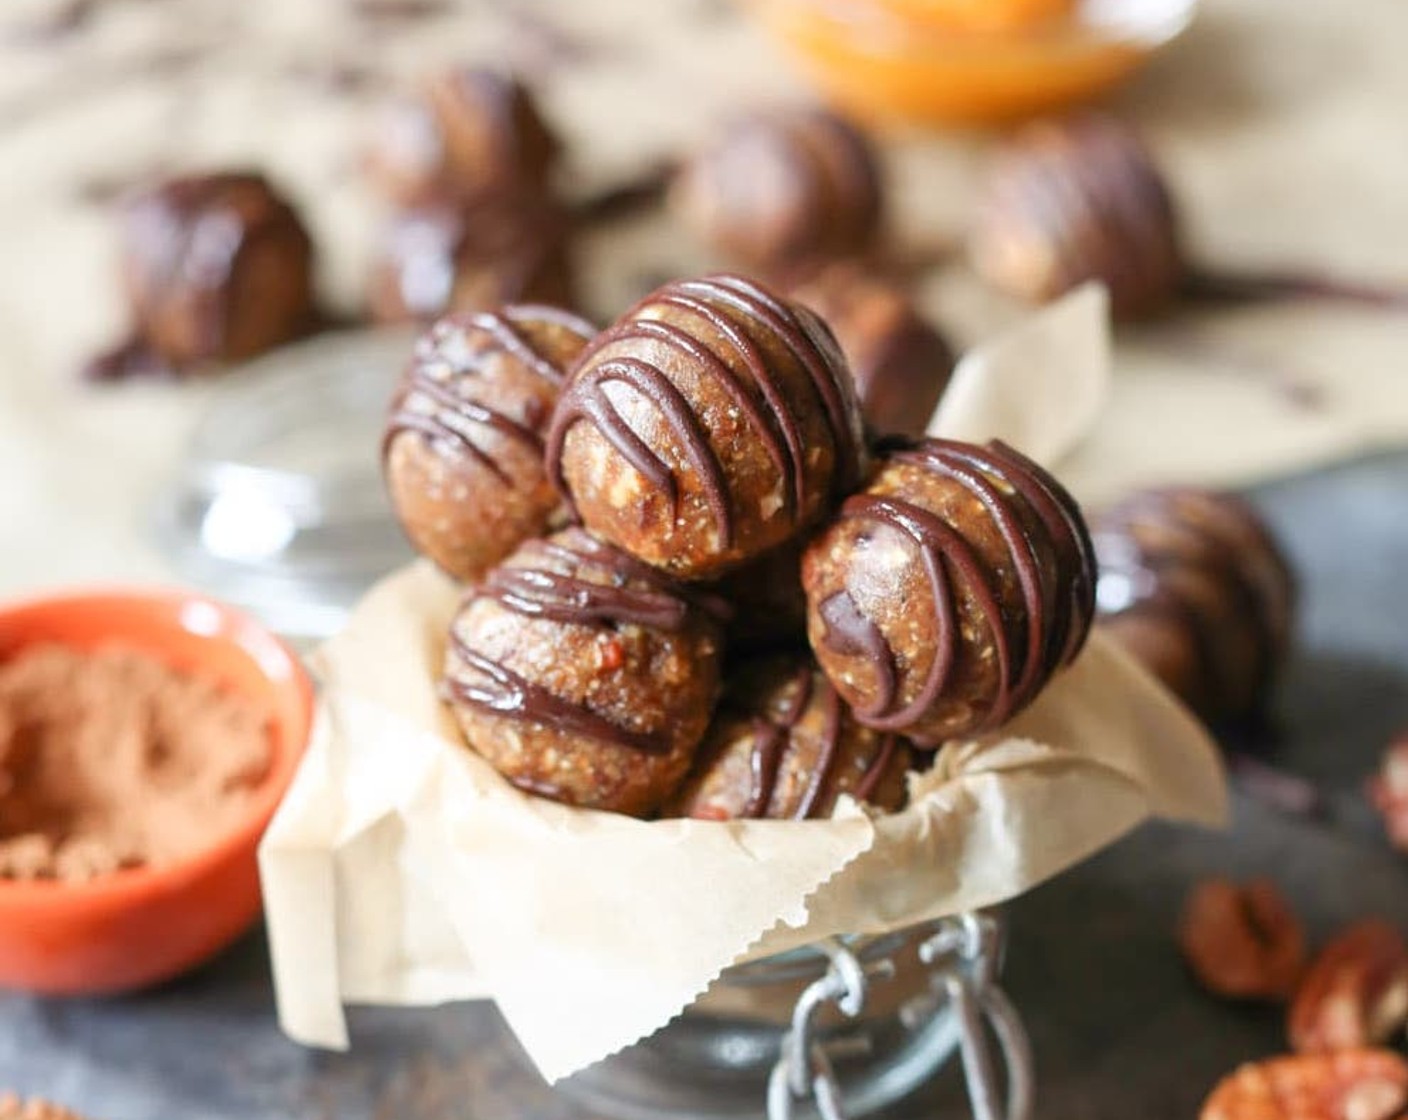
278,505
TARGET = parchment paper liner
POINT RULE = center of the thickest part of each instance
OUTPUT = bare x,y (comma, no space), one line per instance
402,869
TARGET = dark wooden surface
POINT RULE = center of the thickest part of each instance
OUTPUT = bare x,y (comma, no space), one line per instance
1118,1028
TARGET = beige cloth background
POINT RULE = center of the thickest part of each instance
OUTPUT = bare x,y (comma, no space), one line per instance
1281,125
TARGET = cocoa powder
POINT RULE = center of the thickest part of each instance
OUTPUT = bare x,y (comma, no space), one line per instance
110,759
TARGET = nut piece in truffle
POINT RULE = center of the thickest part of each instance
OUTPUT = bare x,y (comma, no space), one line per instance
463,451
1074,200
583,675
1194,585
784,746
782,188
710,424
946,594
901,363
467,134
216,268
472,258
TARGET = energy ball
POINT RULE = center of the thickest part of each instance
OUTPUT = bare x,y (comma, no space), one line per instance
583,675
1073,200
781,188
1195,586
472,258
783,745
216,268
463,449
945,595
710,424
901,363
467,134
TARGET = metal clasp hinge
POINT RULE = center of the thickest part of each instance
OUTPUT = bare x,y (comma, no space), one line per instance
963,955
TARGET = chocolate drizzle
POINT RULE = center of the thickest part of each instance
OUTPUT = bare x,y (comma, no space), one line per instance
846,189
851,633
1056,604
191,233
516,146
770,741
879,765
772,736
739,312
500,691
1242,566
1091,190
1066,532
575,579
813,145
1095,193
637,595
190,243
825,766
486,251
435,396
822,200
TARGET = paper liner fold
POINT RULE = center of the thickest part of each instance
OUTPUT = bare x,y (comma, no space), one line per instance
403,869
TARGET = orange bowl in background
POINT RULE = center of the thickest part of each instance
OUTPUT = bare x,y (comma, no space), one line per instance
139,927
883,59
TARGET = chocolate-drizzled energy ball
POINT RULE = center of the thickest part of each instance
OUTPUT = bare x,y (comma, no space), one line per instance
463,451
583,675
710,424
1194,585
784,745
216,268
469,133
946,594
783,187
1074,200
1082,199
900,362
471,259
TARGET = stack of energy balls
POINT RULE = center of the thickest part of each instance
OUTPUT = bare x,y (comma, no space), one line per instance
696,585
714,567
1192,582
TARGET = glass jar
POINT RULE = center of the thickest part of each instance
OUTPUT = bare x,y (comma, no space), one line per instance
726,1056
278,505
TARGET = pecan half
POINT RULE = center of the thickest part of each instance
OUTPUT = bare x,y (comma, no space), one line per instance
1356,992
1388,791
12,1108
1242,942
1348,1085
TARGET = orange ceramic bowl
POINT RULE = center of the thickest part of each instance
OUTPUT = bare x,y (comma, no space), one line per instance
140,927
879,59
